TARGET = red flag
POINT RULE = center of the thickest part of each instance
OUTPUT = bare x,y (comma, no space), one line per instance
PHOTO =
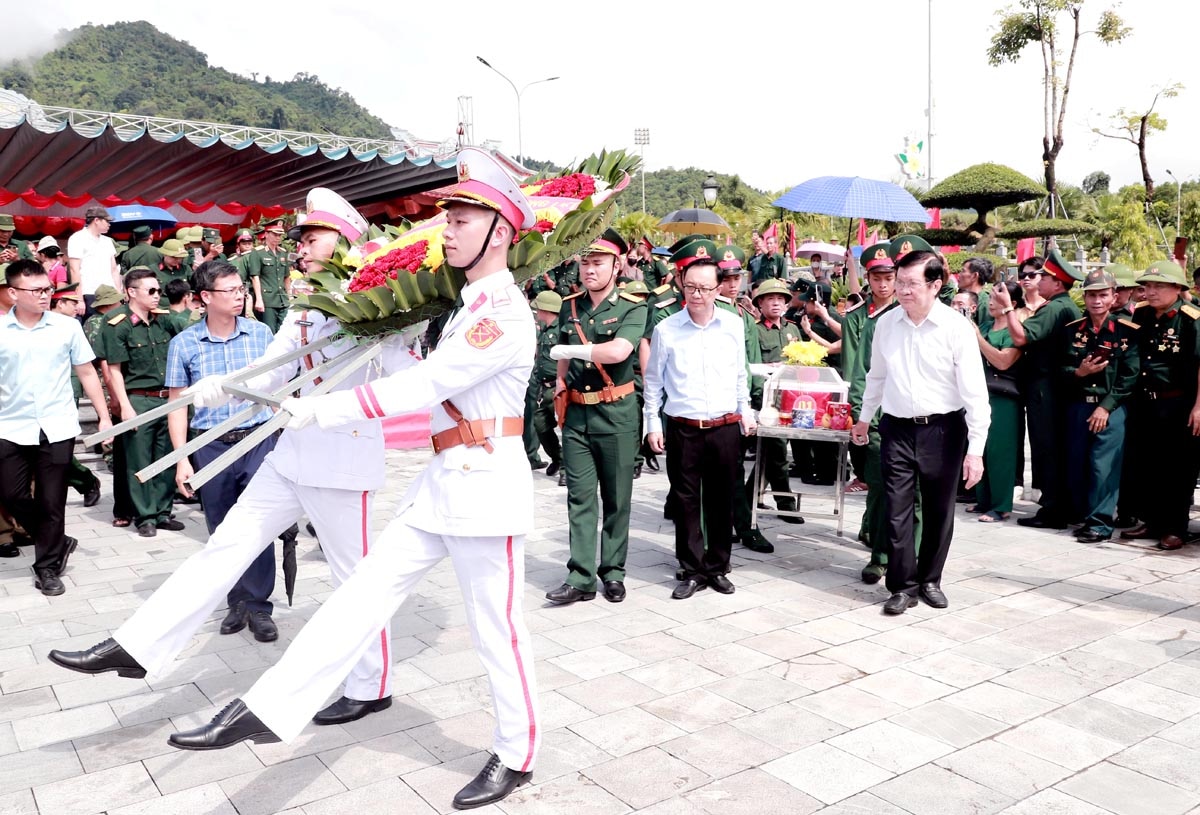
791,230
862,233
1026,248
936,214
873,238
772,231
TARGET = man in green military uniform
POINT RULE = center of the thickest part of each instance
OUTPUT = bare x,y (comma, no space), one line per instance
599,329
1165,421
211,247
10,248
1037,338
771,263
1099,370
172,266
141,253
654,271
539,397
268,270
135,344
244,241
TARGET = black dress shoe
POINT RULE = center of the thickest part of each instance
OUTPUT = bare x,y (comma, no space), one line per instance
147,530
566,593
1140,532
537,465
9,550
1086,535
562,478
170,524
899,603
652,463
553,468
47,582
933,595
637,470
350,710
235,723
494,783
263,627
72,545
687,588
755,541
1125,521
106,656
722,584
236,619
92,496
1038,522
792,519
614,591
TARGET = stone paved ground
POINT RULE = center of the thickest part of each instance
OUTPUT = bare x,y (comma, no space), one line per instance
1063,679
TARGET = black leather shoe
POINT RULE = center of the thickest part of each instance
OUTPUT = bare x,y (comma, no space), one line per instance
1091,536
722,584
235,620
106,656
537,465
1125,521
755,541
637,470
147,530
933,595
72,545
263,627
687,588
350,710
652,463
494,783
792,519
9,550
47,582
566,593
235,723
872,573
614,591
1037,522
562,478
553,469
92,496
170,524
899,603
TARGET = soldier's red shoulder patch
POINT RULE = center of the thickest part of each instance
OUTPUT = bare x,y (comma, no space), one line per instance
483,333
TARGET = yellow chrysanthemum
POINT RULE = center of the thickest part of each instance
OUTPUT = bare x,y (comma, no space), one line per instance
804,353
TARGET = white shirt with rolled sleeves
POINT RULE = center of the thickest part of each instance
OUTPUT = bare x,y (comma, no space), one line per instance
927,369
482,364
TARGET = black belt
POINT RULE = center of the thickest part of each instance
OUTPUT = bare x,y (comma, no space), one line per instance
234,436
149,393
1154,395
933,418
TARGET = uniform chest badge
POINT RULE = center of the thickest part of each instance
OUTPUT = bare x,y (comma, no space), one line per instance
483,333
607,322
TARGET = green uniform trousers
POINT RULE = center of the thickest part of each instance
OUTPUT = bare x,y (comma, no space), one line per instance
995,490
144,446
273,317
604,460
540,423
79,477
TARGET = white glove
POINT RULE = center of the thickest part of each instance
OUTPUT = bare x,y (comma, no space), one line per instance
303,410
209,393
572,352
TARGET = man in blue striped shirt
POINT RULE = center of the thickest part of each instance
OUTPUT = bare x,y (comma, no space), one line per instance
224,342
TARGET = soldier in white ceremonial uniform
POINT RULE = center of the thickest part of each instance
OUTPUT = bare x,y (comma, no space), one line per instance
330,476
473,503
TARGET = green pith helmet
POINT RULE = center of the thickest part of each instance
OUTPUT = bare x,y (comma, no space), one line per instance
1164,271
637,288
1099,280
548,301
772,286
1124,276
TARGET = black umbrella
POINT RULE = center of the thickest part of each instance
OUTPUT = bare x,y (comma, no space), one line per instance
289,560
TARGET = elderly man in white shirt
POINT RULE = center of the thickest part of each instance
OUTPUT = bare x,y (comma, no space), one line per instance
698,357
927,375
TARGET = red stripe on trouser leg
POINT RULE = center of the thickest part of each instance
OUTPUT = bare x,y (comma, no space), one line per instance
383,640
512,630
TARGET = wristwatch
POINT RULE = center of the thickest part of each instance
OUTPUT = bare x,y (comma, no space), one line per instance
1007,310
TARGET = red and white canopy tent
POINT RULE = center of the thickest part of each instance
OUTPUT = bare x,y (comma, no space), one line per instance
56,162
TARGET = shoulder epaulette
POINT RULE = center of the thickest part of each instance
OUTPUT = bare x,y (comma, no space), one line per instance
1076,322
664,303
572,296
633,298
1142,303
116,320
1190,311
160,311
1127,323
663,289
724,299
856,306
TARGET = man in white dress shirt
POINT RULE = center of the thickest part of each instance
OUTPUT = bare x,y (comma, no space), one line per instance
698,358
927,374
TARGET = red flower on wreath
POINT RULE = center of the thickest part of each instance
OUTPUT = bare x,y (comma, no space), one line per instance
407,258
576,185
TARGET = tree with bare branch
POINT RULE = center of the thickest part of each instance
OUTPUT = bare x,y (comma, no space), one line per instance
1136,128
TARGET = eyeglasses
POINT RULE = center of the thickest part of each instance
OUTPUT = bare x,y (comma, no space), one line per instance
703,290
234,290
904,285
1030,275
44,291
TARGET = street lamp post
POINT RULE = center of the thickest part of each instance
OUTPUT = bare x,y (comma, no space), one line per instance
710,187
641,137
1178,202
520,141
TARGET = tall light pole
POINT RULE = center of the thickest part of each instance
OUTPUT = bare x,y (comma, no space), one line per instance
520,142
929,110
1178,201
641,137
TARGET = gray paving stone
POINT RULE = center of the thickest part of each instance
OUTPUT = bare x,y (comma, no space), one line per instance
97,791
367,762
594,662
1015,773
646,777
1100,718
954,793
564,752
607,694
293,783
849,706
180,770
1060,743
49,728
1126,792
732,659
1001,703
1167,761
18,803
128,744
1054,802
159,704
695,709
751,792
826,773
23,704
864,804
626,731
31,768
455,737
815,672
722,750
1152,700
1185,732
205,800
949,723
902,686
788,727
437,785
757,690
578,795
381,798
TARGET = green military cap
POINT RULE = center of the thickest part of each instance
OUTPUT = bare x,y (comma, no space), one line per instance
637,288
1099,280
903,244
1124,276
210,235
772,286
272,225
730,259
548,301
700,250
682,242
105,295
877,256
142,232
1058,266
69,291
7,223
610,242
244,235
1164,271
173,248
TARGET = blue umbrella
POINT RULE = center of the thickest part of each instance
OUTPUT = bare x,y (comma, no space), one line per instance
127,216
853,198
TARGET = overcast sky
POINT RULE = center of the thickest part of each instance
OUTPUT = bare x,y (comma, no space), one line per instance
775,92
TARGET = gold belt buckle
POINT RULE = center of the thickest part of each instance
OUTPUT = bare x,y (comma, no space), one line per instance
591,398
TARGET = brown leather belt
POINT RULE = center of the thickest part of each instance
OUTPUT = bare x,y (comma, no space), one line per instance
161,393
605,395
475,433
705,424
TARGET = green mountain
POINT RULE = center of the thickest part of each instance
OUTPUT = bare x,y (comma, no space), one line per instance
135,68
